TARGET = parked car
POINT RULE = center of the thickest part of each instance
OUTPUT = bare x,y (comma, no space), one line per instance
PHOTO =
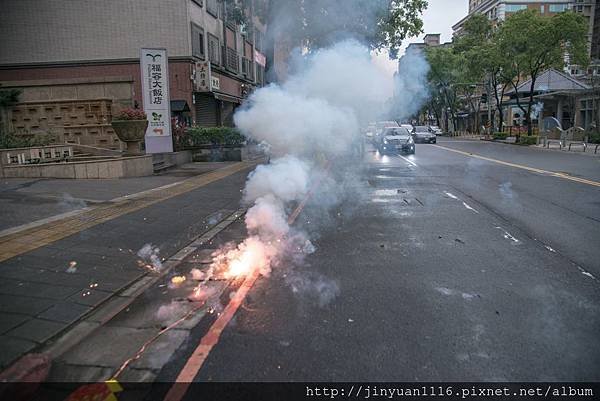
436,130
422,134
396,140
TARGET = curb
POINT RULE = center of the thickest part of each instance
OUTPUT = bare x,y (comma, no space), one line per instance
27,368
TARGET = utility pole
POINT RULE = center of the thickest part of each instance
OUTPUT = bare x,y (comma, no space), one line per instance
489,102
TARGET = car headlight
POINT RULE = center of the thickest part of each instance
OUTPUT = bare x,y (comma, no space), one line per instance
385,141
410,140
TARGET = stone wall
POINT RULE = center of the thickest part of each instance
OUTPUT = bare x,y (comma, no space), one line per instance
138,166
77,110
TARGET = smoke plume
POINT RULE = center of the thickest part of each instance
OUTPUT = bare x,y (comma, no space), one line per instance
410,85
310,122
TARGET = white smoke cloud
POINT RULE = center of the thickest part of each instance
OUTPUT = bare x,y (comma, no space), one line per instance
308,122
150,257
286,178
410,85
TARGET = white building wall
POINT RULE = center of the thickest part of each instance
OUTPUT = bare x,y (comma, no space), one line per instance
34,31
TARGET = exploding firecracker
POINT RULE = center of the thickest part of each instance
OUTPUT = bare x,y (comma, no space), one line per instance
177,280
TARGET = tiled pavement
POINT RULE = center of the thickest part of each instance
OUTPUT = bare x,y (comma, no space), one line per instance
98,356
39,298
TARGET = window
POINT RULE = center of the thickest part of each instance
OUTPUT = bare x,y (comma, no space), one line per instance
259,74
542,9
513,8
258,40
212,7
248,68
214,49
232,59
197,41
558,8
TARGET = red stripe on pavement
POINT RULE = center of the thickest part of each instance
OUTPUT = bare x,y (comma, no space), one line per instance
211,338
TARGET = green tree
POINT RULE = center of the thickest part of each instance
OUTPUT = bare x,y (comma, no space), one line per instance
444,80
320,23
476,46
533,43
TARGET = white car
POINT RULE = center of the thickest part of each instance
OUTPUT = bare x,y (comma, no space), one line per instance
436,130
409,127
397,140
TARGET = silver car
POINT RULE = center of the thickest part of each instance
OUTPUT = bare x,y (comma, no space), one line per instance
397,140
422,134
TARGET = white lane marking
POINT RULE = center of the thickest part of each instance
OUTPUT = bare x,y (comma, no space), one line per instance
586,273
465,204
550,248
450,292
409,161
508,235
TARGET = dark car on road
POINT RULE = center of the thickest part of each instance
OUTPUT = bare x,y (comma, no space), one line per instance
396,140
423,134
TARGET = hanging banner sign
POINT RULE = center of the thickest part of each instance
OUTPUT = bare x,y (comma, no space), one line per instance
155,92
203,74
260,58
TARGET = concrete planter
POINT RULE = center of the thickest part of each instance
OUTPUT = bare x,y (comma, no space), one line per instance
222,153
131,132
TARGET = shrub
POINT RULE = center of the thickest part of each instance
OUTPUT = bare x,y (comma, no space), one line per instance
500,135
130,114
528,140
594,137
9,141
214,136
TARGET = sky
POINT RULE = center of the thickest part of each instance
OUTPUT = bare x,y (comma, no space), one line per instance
438,18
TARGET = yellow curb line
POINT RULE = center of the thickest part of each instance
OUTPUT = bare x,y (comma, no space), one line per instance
20,242
531,169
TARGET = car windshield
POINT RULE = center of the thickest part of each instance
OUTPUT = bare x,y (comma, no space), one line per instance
397,132
422,129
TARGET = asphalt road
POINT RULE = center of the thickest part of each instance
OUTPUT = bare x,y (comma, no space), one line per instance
437,267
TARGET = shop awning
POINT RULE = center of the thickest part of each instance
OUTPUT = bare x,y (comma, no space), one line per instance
179,106
228,98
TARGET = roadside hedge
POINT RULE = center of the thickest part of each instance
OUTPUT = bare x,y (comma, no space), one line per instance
500,135
594,138
528,140
198,136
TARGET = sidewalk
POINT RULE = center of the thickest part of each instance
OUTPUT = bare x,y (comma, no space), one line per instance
576,147
55,273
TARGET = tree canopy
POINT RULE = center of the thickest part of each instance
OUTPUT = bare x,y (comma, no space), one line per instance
318,23
534,43
494,58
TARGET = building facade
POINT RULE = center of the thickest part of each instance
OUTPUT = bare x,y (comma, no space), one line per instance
77,63
499,10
